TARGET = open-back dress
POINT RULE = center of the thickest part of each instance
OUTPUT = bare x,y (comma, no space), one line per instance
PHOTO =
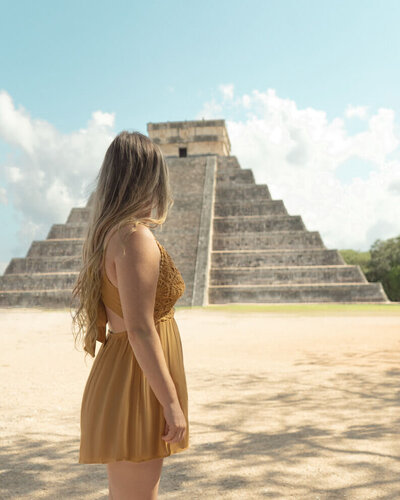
121,418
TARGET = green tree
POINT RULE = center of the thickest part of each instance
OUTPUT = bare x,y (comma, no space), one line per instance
384,266
356,258
380,263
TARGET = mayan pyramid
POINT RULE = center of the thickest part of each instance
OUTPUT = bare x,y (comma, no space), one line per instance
231,241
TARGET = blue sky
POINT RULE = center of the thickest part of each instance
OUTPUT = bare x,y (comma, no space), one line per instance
309,90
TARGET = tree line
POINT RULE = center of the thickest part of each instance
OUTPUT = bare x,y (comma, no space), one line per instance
380,263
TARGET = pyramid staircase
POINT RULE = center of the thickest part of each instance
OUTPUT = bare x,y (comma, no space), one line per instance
261,254
46,276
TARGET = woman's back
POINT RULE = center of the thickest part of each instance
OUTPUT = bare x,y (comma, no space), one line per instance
170,287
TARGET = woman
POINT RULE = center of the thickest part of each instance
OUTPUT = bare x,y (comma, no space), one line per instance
135,404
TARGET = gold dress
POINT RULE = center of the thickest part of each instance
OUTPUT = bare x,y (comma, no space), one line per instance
121,418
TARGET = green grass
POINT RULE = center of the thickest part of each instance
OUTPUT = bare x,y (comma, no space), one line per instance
328,308
392,309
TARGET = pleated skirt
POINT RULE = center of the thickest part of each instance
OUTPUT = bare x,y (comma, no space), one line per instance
121,418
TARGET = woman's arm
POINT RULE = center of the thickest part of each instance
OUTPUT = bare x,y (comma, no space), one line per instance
137,276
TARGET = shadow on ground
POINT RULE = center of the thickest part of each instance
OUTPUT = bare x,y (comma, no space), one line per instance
328,430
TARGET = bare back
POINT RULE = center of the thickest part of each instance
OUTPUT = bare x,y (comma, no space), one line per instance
112,245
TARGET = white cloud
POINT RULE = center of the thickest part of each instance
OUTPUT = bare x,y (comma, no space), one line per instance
100,119
394,186
15,126
53,171
357,111
210,110
227,91
13,174
297,152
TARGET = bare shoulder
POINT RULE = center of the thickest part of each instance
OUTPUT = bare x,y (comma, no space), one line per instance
139,244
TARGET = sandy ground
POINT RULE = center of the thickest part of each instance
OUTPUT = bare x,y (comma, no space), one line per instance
281,406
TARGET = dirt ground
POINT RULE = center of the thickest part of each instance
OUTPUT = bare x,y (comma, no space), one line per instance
281,406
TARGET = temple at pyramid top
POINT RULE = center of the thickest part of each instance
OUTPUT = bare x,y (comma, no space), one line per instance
189,138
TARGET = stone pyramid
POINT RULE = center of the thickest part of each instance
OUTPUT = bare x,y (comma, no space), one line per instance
231,241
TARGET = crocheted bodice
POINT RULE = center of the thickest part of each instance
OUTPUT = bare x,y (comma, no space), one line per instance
170,287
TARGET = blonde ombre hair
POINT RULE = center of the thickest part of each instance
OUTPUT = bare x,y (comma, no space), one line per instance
132,182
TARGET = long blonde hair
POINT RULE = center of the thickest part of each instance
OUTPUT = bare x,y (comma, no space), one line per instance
133,179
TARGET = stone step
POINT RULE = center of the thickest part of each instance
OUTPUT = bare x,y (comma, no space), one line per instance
79,215
230,168
188,162
223,171
245,208
67,231
21,265
257,223
273,240
38,281
228,184
55,299
235,176
66,247
271,275
298,293
281,257
228,162
225,193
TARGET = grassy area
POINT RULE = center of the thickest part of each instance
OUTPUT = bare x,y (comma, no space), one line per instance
328,308
311,308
